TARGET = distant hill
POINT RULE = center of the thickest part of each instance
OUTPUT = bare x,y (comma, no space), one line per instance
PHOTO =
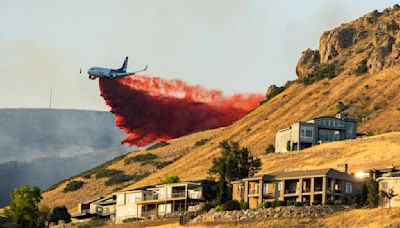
26,134
355,66
43,146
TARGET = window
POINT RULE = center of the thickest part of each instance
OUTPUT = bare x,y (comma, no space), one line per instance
306,132
280,186
349,187
265,188
256,188
240,188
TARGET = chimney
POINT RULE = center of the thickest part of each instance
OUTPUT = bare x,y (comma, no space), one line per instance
343,167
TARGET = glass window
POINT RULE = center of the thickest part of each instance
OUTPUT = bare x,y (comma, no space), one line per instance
349,187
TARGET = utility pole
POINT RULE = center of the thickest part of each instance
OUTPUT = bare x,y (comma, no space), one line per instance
51,94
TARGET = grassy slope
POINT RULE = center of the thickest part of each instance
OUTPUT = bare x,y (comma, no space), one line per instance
96,187
379,101
300,102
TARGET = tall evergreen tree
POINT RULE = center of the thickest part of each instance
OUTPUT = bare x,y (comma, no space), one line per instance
235,163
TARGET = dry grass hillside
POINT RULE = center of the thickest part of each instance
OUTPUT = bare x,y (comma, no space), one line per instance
371,98
94,187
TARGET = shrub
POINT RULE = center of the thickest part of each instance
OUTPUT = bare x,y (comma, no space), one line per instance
231,205
340,106
169,179
220,208
118,179
209,205
278,203
140,158
107,173
201,142
131,220
158,145
60,213
73,186
329,70
299,204
270,149
362,67
267,205
244,205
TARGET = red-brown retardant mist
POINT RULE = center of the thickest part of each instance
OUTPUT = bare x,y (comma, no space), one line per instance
150,109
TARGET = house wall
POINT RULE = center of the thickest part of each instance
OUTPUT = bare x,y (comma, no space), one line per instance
126,206
281,139
387,184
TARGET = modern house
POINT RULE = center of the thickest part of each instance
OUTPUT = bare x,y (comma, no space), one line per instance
158,200
307,186
302,135
390,184
99,207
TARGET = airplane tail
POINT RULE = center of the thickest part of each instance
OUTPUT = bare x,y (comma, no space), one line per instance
125,65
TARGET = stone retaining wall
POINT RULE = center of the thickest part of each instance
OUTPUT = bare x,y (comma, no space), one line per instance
259,214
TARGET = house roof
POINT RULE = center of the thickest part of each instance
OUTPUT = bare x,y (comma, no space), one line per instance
301,174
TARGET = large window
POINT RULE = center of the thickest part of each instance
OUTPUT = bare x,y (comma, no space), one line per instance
329,135
306,132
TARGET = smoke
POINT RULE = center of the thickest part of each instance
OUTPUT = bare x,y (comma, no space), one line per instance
151,109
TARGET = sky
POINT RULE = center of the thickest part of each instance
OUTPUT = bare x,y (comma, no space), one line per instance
230,45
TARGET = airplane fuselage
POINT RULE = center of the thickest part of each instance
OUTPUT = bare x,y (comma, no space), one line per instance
101,72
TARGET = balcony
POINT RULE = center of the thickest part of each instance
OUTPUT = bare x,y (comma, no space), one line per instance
156,197
253,192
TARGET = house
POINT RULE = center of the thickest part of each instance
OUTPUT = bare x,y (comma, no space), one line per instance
389,184
307,186
103,206
158,200
302,135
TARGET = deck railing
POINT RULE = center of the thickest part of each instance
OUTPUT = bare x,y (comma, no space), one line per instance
161,197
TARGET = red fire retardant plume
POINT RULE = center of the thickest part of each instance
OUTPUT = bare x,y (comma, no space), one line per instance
151,109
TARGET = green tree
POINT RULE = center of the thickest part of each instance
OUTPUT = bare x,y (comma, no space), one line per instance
270,149
169,179
373,194
235,163
24,207
60,213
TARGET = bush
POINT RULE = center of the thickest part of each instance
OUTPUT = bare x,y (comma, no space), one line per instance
169,179
140,158
60,213
324,71
231,205
219,208
201,142
73,186
270,149
362,67
244,205
118,179
277,203
158,145
107,173
131,220
267,205
298,204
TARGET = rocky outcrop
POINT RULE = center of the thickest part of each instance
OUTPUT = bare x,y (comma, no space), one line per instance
259,214
375,36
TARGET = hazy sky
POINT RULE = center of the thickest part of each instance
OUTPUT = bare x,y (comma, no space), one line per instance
234,46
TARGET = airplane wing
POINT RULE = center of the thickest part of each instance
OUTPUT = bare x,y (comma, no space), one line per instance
120,75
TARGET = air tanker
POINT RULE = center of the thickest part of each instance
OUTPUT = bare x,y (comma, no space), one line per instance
100,72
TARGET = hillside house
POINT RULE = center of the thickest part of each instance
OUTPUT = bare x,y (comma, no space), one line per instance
99,207
158,200
307,186
390,183
302,135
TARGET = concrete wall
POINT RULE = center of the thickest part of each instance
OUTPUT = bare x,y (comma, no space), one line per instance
281,139
128,207
385,185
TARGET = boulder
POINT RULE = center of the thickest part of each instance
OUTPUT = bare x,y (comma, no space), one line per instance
308,61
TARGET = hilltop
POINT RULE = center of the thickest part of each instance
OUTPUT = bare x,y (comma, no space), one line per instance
369,92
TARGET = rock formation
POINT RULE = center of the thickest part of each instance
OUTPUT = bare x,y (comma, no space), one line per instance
375,36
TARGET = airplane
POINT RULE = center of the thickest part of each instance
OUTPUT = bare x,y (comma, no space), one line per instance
100,72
